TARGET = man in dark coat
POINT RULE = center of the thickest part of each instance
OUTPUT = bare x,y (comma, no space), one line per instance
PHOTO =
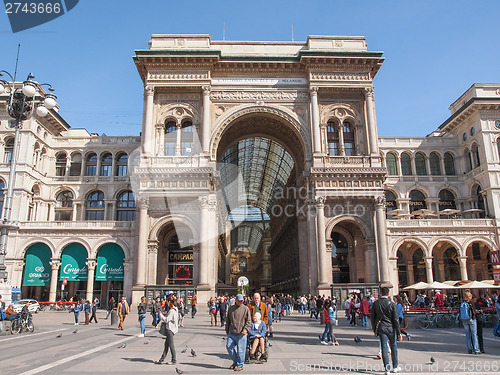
385,324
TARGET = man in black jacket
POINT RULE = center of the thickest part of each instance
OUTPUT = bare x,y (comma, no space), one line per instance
385,324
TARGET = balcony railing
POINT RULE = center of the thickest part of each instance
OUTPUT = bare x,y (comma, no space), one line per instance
178,161
451,223
357,161
119,225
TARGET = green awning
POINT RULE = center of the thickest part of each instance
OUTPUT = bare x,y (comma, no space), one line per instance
109,263
37,269
73,264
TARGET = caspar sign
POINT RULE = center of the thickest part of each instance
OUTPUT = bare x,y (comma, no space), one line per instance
25,14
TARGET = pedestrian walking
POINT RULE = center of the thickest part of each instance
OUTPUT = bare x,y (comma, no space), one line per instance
385,324
258,306
141,310
212,310
169,327
270,312
237,326
194,309
469,321
332,321
326,338
181,310
87,308
223,305
93,309
111,306
364,311
76,311
122,311
479,303
399,307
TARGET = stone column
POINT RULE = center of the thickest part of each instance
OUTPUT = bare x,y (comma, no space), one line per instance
91,264
409,272
372,257
152,262
203,255
372,124
393,266
212,238
142,238
463,268
325,265
205,126
303,256
313,246
428,269
147,126
315,120
160,140
55,265
178,134
380,228
341,140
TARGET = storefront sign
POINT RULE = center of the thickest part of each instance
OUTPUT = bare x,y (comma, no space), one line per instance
180,256
37,268
73,264
495,258
496,275
109,263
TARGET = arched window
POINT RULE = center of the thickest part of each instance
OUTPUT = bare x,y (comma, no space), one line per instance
420,167
391,164
475,155
242,264
419,273
390,203
340,258
332,136
446,200
417,201
75,168
170,138
348,139
95,206
478,197
9,148
468,160
106,164
64,206
187,138
451,265
91,165
449,164
435,164
402,269
61,164
122,164
406,164
125,207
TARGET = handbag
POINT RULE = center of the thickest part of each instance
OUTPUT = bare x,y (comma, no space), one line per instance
163,329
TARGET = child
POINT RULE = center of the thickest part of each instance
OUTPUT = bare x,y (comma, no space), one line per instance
257,333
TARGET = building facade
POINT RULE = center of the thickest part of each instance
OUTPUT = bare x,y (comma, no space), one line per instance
256,159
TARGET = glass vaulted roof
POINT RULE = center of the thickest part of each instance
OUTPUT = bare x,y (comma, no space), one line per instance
252,173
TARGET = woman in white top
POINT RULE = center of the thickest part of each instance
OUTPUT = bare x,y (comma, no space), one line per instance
172,323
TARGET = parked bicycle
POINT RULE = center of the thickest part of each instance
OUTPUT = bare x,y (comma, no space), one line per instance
431,319
20,324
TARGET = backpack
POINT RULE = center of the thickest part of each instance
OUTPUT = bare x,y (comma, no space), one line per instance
3,315
464,310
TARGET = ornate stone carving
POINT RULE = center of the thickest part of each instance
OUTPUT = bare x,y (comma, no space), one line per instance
178,76
153,247
143,203
369,92
206,90
380,200
341,76
55,264
320,201
253,96
91,263
149,90
313,90
208,203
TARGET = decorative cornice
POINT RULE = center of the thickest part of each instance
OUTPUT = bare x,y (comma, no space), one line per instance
341,76
178,76
252,96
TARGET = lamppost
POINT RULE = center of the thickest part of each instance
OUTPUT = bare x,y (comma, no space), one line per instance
21,105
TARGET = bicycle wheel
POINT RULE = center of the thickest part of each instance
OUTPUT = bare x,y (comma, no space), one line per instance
404,323
30,327
447,321
423,322
15,328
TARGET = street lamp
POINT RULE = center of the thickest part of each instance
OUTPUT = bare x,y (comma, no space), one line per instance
21,105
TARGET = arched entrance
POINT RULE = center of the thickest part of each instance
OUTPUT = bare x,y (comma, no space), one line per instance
479,265
109,272
74,269
37,272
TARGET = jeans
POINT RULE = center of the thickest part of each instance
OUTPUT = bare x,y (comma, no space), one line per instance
326,333
142,322
239,342
313,312
287,309
193,311
388,336
169,344
364,320
303,308
107,315
470,326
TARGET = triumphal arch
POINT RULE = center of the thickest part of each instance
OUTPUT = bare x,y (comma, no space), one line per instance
259,159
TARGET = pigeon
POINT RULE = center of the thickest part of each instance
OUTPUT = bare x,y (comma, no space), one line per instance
75,331
357,339
124,345
193,353
185,349
179,371
432,360
147,342
59,336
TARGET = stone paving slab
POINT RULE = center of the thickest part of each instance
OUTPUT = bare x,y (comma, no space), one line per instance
295,349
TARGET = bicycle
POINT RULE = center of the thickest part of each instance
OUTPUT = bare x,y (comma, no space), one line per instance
430,319
20,324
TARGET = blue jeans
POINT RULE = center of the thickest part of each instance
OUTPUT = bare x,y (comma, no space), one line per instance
142,322
389,336
470,326
313,312
327,336
364,320
303,308
236,346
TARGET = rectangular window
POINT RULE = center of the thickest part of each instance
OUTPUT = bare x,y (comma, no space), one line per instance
90,170
122,170
94,215
333,148
64,215
75,169
170,148
349,148
106,170
126,215
187,148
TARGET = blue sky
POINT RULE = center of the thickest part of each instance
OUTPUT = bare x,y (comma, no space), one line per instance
434,51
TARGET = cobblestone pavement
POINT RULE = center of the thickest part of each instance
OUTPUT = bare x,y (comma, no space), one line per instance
94,349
